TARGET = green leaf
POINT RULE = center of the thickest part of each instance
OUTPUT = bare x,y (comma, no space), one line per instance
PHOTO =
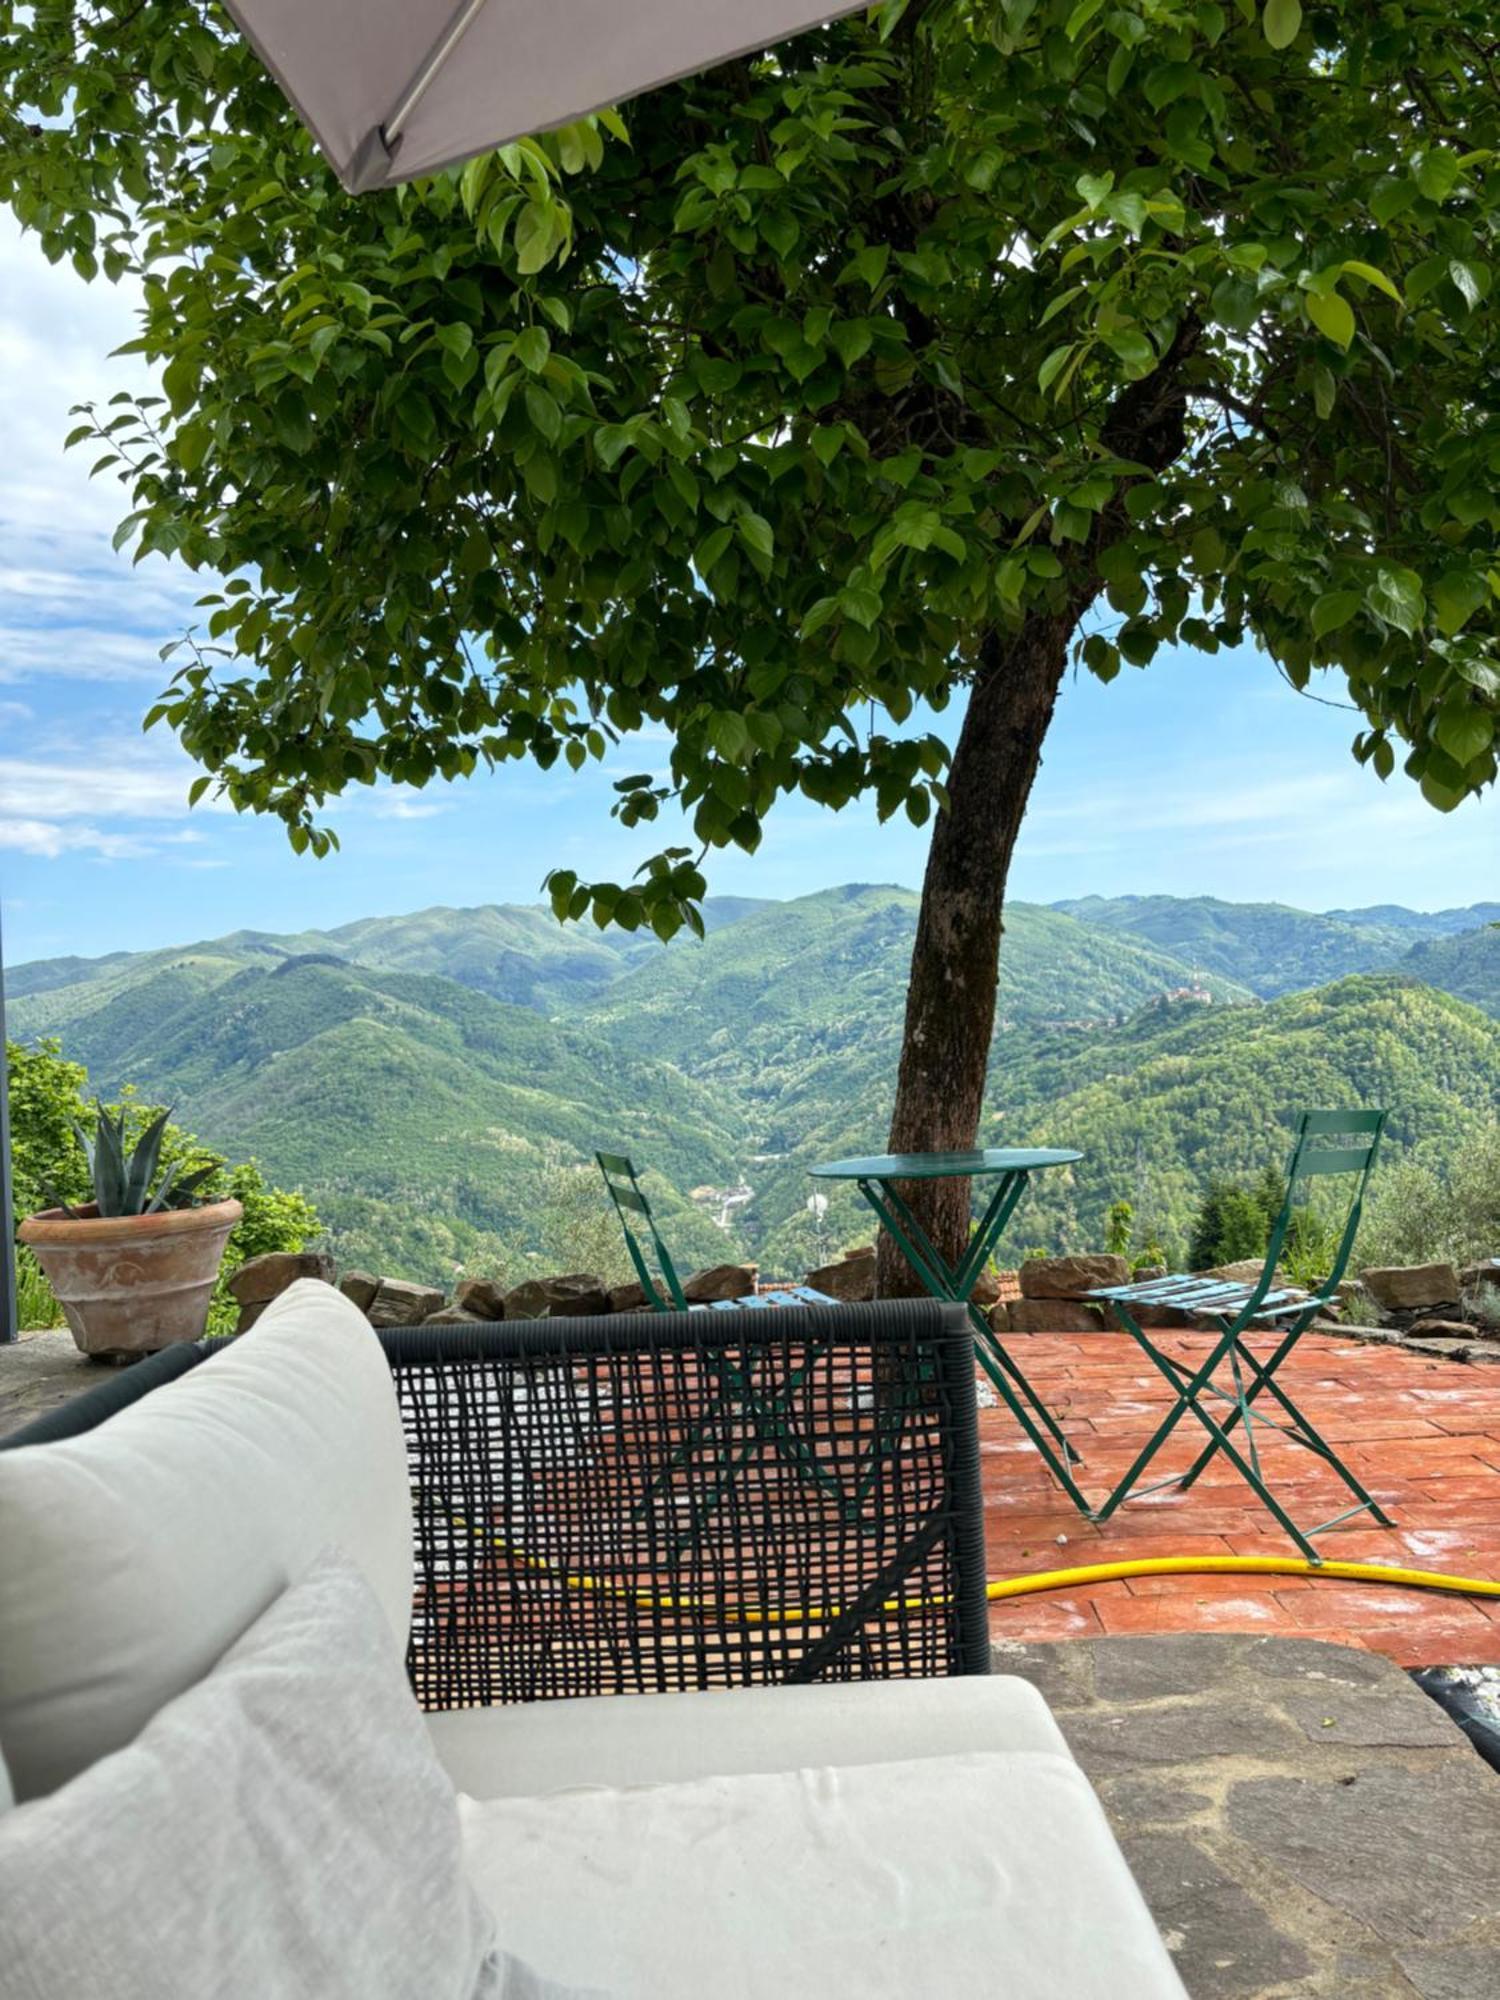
850,340
1464,730
1397,596
1133,347
870,263
1282,22
1436,173
1456,596
1052,367
1334,609
1332,315
1392,198
1371,276
533,348
545,416
1080,17
1467,281
755,532
537,235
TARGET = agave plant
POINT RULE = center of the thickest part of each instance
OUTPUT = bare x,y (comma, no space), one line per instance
123,1186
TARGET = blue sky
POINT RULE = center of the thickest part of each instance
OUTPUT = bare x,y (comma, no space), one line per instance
1198,776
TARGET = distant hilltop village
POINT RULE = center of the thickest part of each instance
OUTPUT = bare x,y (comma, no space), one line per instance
1194,994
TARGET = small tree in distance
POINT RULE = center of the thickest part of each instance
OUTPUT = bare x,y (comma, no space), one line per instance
904,365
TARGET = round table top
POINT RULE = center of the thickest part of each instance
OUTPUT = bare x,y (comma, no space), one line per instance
943,1166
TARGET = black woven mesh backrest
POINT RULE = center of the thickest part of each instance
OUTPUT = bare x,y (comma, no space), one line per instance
693,1500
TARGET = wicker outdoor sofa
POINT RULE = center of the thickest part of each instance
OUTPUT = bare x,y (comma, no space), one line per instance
693,1612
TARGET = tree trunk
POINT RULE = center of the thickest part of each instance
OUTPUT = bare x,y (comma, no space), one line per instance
950,1003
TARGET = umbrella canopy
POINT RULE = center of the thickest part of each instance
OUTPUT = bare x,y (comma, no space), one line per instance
395,88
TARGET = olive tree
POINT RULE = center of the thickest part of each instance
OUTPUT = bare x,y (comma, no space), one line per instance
889,372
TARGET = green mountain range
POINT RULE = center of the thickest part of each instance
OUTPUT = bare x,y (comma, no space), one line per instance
422,1076
1270,947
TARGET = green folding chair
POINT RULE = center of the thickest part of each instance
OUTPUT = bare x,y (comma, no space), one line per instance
661,1284
740,1405
1327,1143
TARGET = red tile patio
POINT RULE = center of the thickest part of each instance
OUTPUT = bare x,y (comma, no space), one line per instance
1423,1435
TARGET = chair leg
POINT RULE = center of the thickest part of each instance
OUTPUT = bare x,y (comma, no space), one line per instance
1219,1434
1263,1378
1305,1432
1312,1440
1185,1394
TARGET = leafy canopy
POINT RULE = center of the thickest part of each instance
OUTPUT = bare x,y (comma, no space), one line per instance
757,423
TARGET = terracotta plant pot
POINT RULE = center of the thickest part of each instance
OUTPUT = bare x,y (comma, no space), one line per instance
130,1284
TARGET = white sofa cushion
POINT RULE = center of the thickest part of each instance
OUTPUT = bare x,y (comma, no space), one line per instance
282,1828
992,1872
132,1556
647,1739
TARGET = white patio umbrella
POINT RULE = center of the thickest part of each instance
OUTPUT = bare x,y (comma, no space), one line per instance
395,88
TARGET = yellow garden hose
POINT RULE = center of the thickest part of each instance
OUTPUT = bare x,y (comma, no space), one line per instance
1003,1587
1348,1572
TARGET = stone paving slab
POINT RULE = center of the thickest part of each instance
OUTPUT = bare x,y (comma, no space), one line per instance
1304,1822
40,1371
1423,1435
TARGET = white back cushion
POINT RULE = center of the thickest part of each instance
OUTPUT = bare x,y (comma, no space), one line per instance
134,1556
281,1829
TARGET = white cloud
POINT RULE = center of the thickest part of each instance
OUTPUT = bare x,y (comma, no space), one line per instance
74,608
401,805
47,840
107,784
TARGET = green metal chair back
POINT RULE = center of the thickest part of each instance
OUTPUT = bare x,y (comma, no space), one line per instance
1327,1143
661,1284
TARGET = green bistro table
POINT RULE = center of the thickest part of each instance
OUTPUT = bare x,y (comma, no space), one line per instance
1011,1168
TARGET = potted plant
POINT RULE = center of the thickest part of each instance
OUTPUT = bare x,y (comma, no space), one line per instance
134,1269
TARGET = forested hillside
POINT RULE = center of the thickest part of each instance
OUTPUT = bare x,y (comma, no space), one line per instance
429,1106
1268,947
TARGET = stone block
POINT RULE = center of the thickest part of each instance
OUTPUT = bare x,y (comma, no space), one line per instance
359,1287
398,1303
1405,1287
456,1316
1071,1277
573,1295
850,1278
261,1279
721,1281
481,1298
628,1299
1048,1316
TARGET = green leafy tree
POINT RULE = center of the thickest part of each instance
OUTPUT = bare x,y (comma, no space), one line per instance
48,1095
1119,1227
908,364
1230,1224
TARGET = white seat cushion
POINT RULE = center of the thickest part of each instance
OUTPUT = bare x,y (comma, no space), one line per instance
133,1556
649,1739
989,1873
281,1831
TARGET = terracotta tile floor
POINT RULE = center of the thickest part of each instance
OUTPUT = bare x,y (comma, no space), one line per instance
1423,1436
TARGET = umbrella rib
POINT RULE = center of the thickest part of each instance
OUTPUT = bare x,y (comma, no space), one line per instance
417,89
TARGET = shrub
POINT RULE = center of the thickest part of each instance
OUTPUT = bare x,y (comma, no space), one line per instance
1231,1223
47,1100
1425,1210
1119,1225
36,1304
